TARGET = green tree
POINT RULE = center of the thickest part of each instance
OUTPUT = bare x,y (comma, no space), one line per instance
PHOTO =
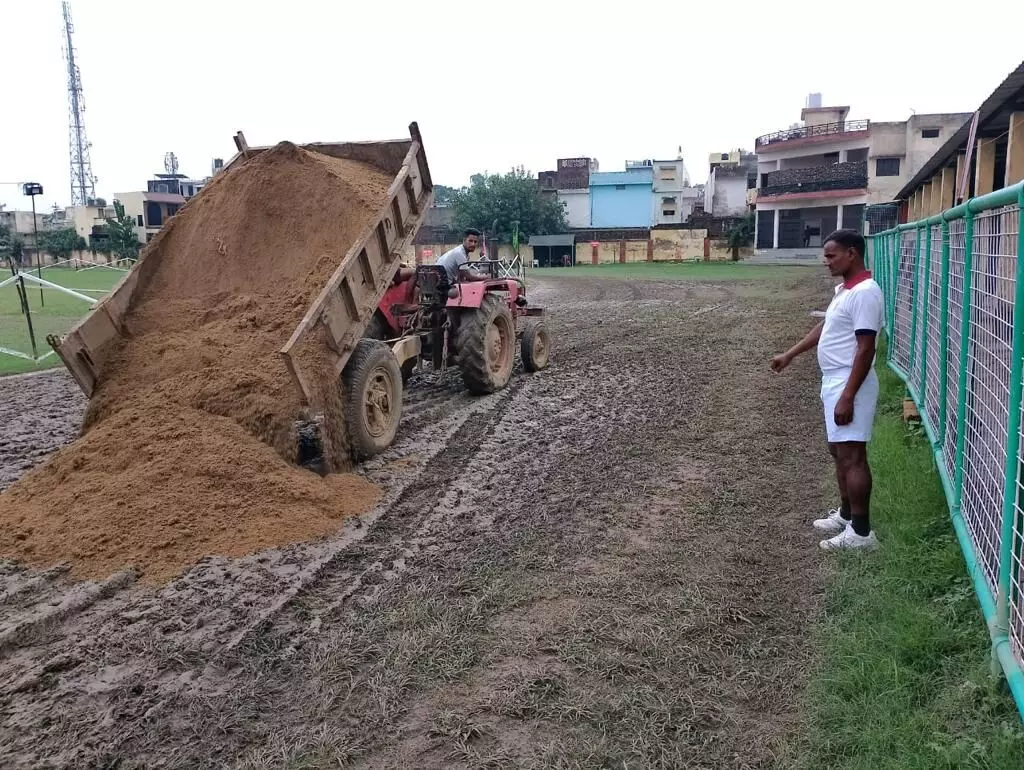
495,202
124,244
60,243
741,234
11,246
443,194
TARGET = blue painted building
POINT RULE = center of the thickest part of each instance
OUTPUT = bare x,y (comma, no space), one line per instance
622,198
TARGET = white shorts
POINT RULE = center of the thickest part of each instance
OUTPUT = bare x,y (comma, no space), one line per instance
864,404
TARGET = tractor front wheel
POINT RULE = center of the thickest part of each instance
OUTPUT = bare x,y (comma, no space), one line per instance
484,342
536,346
372,391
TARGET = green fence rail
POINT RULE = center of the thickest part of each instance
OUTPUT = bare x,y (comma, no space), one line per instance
951,285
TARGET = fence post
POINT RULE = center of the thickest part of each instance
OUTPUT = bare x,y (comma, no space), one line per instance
1002,621
961,386
924,317
940,433
914,305
894,282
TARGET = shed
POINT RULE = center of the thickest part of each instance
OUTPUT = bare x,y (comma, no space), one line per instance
554,250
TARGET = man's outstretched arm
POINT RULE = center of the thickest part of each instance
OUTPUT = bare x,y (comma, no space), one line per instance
809,342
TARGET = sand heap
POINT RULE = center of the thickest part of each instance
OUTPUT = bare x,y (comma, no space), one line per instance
187,440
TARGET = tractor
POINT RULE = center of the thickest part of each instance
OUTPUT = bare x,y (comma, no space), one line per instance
424,318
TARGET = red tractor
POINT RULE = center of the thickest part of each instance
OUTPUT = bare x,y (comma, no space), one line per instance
424,317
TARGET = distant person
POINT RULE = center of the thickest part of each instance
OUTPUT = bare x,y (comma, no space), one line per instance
849,386
807,236
456,261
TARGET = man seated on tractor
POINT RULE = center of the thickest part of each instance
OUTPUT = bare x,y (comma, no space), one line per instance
456,262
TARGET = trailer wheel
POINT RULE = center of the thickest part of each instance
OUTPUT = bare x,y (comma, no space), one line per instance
485,341
372,390
536,346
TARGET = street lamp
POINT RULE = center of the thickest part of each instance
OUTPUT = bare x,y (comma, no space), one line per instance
32,189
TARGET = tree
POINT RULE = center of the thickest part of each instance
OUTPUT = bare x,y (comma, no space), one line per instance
443,194
741,234
60,243
495,202
11,246
124,244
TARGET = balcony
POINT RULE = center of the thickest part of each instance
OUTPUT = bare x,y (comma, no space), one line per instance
817,133
836,176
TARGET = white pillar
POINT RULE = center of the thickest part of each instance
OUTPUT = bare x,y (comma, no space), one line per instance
778,164
842,156
775,231
839,219
757,221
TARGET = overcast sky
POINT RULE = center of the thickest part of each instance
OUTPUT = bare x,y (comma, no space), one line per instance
492,84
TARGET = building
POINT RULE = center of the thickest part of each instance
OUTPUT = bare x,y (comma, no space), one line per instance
150,210
571,182
674,198
731,176
21,227
820,176
622,198
995,161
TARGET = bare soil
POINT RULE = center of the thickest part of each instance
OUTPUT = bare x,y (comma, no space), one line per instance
607,564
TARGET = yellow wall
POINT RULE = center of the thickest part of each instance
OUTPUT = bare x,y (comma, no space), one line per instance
678,244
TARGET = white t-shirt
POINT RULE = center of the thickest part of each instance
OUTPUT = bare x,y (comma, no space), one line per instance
452,260
856,308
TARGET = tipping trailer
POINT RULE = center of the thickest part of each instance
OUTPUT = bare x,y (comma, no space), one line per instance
343,308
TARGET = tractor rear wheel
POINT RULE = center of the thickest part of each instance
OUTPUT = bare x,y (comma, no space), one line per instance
372,391
484,343
536,346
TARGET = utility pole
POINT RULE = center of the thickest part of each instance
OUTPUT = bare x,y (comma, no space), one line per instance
32,189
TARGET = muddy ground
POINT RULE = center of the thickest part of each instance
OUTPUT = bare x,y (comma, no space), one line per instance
608,564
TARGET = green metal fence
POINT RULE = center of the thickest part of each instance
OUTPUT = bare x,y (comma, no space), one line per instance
951,284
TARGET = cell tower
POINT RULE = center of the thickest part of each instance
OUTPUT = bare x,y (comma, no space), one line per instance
83,183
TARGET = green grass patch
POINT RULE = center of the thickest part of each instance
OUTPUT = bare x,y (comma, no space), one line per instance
903,678
53,313
677,271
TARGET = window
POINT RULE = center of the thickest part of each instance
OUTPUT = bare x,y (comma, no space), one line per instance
667,173
929,133
620,187
668,212
831,157
669,199
887,167
141,223
725,156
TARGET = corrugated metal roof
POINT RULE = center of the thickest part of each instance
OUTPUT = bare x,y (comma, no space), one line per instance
552,240
1011,88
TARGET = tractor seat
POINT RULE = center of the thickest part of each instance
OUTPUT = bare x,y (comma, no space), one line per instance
433,283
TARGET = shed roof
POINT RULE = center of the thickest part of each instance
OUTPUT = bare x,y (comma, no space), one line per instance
567,239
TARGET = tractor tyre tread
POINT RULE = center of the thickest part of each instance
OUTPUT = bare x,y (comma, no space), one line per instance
470,338
368,356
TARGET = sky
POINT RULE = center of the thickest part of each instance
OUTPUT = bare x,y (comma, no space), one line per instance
492,85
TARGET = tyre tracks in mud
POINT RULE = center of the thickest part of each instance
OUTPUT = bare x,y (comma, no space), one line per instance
548,577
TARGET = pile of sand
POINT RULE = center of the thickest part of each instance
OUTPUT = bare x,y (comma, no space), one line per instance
187,440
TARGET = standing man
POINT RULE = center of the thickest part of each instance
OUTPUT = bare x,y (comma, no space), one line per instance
456,261
849,386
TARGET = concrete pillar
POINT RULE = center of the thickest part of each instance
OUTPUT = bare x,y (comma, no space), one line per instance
984,166
650,249
1015,150
839,218
622,252
757,227
961,171
775,231
778,164
843,156
948,192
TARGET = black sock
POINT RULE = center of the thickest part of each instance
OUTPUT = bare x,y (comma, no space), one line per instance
844,508
862,525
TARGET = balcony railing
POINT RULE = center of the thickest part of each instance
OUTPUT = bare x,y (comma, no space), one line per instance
852,175
804,132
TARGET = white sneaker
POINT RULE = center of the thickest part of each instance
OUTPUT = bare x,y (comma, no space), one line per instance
832,523
848,540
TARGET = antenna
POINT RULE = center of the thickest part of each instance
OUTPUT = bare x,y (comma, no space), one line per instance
171,163
83,183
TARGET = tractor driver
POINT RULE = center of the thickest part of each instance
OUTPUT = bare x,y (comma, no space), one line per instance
456,262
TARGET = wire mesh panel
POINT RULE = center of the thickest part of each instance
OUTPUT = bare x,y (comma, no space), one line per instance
917,327
957,255
933,329
904,290
989,357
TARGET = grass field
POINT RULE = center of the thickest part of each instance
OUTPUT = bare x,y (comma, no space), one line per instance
678,271
55,313
903,677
